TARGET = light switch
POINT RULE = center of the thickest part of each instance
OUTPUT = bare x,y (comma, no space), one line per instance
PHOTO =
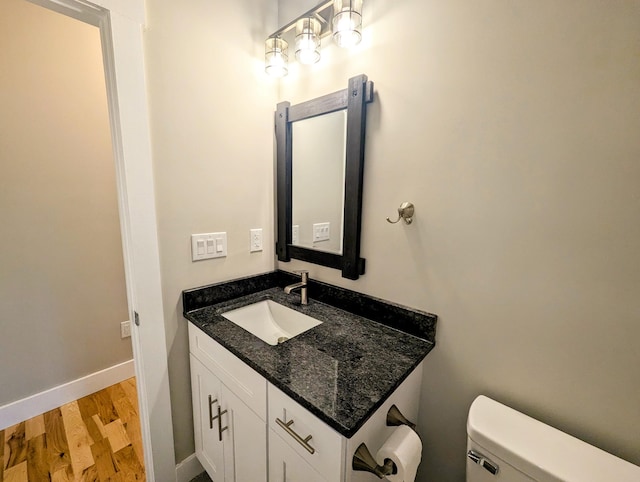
208,245
321,232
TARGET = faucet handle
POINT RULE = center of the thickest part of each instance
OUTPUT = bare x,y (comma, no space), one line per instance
304,274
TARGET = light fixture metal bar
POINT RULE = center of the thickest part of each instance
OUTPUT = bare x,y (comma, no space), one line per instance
321,12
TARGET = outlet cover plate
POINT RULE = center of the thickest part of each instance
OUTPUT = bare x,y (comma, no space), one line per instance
255,240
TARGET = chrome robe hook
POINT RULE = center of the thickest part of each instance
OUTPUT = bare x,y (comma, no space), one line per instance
405,212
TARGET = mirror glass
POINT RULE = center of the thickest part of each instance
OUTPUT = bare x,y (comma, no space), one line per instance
318,167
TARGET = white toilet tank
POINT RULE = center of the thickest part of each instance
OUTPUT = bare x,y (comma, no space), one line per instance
520,449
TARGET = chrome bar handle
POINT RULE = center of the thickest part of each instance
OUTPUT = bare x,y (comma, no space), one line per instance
211,417
219,417
302,441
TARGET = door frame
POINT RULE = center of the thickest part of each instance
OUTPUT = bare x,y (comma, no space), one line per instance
121,25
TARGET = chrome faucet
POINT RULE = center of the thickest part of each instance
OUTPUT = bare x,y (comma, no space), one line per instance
302,285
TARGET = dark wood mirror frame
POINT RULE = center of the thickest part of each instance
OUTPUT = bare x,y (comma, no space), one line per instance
354,99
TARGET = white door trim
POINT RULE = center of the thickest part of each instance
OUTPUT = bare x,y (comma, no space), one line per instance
121,23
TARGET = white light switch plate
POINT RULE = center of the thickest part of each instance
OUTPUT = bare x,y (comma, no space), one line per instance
255,240
208,245
321,232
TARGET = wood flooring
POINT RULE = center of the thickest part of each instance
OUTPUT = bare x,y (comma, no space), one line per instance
96,438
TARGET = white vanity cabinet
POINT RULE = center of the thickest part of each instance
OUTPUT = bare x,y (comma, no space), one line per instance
229,412
237,431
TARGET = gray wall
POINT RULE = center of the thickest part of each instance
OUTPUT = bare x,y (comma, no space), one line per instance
211,110
62,288
513,128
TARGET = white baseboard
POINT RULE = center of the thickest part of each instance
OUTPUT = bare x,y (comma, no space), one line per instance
20,410
188,469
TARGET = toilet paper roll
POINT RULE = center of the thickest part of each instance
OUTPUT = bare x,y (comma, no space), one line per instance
404,447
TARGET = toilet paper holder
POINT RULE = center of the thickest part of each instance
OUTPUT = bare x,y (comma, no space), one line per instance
364,461
395,418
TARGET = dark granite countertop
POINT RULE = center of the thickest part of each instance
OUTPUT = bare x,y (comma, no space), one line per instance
341,370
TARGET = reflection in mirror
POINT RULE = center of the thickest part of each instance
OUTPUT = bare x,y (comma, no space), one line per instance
318,181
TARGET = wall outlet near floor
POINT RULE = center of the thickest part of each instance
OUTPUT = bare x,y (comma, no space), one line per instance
321,232
208,245
125,329
295,234
255,240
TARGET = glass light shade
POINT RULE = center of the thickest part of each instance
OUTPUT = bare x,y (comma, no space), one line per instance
276,57
308,40
347,22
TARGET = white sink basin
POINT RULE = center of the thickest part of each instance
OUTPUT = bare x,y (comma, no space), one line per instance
271,321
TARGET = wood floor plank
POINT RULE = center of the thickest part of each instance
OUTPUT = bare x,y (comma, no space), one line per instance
15,451
1,455
95,428
128,466
117,435
88,407
131,423
34,427
61,475
57,445
129,387
106,410
17,473
78,439
103,456
90,474
38,457
116,392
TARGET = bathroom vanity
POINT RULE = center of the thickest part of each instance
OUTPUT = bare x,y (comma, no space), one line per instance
301,408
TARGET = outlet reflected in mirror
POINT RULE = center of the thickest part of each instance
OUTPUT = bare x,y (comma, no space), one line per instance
318,181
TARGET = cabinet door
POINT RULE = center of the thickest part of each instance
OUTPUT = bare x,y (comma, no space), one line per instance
285,465
206,393
245,441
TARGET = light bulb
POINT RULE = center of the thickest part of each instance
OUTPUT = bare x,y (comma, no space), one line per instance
308,41
275,57
347,22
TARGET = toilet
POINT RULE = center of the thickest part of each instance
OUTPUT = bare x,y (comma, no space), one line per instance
507,446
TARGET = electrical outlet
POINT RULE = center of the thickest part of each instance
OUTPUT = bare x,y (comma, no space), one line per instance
295,234
255,243
125,329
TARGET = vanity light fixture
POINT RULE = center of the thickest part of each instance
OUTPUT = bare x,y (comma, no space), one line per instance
308,40
343,18
347,22
276,57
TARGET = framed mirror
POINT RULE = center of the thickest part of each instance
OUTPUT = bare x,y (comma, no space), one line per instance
320,161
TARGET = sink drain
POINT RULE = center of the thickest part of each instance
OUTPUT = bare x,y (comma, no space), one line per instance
282,339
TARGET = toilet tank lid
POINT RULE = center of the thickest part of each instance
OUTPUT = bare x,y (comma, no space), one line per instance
541,451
